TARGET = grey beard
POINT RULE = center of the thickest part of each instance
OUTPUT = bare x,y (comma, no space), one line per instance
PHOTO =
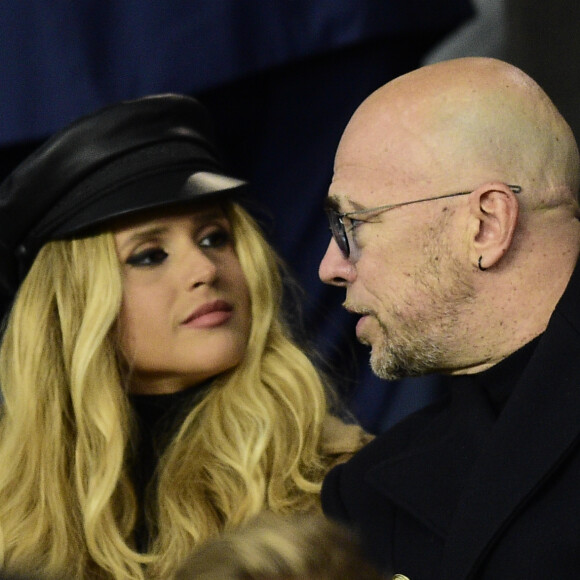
422,345
406,357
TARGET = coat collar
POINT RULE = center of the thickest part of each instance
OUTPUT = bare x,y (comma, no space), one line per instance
538,428
446,448
521,449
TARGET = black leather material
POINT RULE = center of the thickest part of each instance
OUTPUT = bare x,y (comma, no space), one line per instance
151,152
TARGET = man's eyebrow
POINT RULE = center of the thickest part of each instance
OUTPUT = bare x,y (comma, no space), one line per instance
332,203
357,206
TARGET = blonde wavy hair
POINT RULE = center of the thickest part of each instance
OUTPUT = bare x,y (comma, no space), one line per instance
67,505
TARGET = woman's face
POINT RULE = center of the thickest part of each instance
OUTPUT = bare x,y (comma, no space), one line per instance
186,312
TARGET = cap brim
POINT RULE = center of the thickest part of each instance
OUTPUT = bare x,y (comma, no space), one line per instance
156,191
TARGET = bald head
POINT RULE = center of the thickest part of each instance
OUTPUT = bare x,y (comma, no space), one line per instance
456,284
462,122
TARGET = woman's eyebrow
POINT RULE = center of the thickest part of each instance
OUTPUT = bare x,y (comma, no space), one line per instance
143,234
212,213
153,230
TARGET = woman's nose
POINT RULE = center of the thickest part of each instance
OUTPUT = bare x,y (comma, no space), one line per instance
200,269
334,268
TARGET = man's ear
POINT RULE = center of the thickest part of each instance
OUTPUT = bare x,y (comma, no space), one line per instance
494,212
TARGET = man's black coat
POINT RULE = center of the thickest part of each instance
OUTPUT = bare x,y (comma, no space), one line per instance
453,493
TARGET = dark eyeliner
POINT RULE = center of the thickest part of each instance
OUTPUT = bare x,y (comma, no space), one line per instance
149,257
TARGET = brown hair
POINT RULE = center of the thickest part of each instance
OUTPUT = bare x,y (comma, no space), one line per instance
272,547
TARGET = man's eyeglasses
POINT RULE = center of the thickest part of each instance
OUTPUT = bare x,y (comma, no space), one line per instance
340,232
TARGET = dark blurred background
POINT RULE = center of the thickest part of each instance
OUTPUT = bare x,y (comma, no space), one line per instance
281,78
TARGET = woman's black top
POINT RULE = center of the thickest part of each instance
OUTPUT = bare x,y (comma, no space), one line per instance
157,418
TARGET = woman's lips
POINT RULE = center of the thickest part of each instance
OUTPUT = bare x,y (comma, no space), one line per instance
210,314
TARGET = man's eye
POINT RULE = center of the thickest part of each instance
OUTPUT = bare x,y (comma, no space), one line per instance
215,239
353,224
150,257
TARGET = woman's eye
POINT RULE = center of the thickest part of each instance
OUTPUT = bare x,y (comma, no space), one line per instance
215,239
149,257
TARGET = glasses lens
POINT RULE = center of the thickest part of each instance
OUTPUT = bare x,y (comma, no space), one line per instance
338,231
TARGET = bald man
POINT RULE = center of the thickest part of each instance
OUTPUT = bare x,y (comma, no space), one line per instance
456,237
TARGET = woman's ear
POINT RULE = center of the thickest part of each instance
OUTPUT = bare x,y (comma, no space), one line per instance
494,212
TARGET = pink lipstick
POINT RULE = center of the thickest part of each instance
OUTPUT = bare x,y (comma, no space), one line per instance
209,315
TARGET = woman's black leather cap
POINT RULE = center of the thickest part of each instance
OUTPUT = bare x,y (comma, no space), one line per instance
152,152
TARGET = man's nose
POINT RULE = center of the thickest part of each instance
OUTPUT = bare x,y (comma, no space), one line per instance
334,268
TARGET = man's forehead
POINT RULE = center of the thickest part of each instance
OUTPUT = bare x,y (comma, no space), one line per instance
360,185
